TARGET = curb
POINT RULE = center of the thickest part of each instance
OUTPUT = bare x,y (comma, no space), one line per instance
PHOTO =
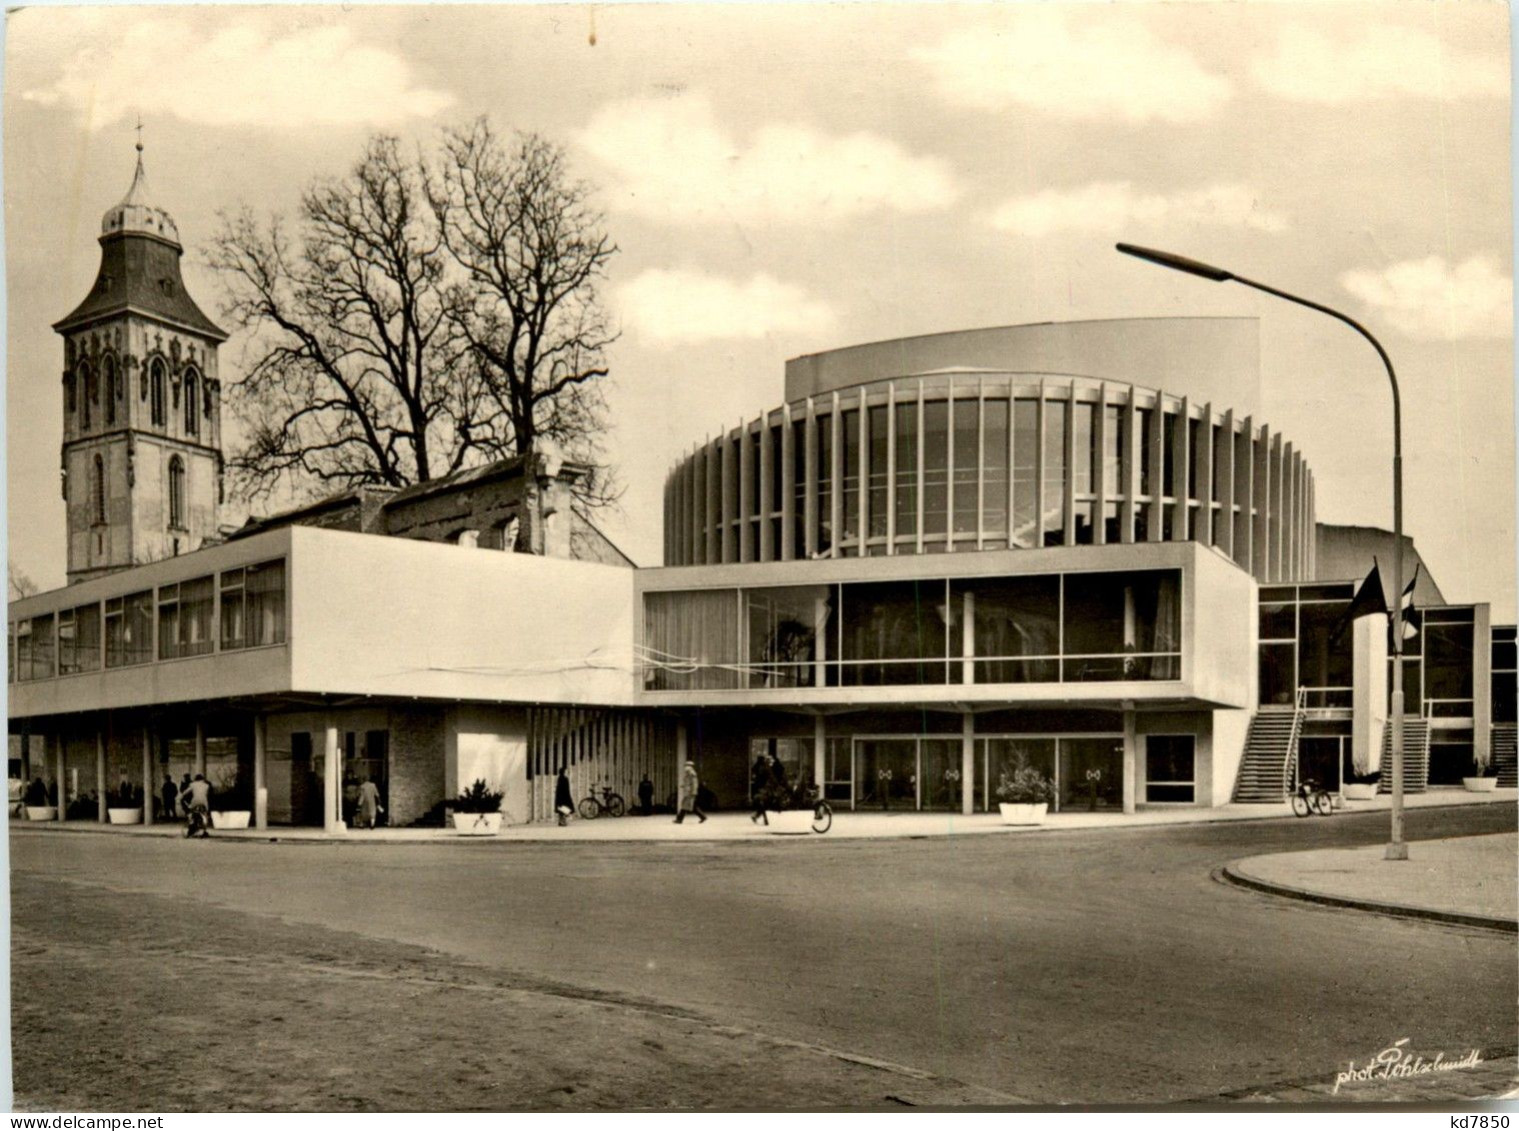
1230,873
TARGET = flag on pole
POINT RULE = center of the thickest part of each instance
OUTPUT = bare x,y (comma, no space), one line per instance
1369,598
1413,620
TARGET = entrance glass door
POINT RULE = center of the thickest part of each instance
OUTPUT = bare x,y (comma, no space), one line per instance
1091,773
941,786
1000,757
886,774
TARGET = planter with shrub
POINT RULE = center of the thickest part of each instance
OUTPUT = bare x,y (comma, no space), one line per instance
123,806
477,811
1024,796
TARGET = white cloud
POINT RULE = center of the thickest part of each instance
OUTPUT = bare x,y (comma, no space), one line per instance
1426,298
672,162
1111,206
1073,65
1383,62
687,306
240,75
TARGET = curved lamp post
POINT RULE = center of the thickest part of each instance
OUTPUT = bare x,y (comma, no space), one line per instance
1397,848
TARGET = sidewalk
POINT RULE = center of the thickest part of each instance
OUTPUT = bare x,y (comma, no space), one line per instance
737,826
1472,880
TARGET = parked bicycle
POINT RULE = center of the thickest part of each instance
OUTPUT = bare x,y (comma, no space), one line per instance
609,803
1310,797
822,812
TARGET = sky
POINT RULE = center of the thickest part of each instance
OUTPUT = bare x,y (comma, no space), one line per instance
785,179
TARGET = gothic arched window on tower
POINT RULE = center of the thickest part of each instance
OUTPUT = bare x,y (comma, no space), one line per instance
86,394
156,386
97,489
177,493
192,405
108,367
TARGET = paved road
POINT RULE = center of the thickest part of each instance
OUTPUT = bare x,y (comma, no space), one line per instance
1091,967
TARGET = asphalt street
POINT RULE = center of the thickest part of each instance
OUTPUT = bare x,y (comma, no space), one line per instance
1064,967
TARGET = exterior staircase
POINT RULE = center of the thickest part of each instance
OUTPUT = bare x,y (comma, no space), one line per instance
1415,756
1505,761
1270,749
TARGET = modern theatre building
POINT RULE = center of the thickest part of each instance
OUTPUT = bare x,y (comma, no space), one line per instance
1072,545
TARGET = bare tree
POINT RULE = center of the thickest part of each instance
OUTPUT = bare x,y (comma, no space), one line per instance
19,584
357,379
531,252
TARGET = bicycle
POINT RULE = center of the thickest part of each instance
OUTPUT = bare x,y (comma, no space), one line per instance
610,802
1310,797
822,812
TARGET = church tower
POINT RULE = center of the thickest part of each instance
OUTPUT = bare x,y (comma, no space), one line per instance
142,460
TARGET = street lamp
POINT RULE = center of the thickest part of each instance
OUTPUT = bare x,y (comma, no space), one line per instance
1397,849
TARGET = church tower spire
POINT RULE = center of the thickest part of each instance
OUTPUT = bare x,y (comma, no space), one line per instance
142,460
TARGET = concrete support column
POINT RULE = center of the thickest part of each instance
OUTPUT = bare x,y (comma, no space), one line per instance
819,754
100,773
60,780
200,746
1130,757
260,772
967,762
149,785
331,788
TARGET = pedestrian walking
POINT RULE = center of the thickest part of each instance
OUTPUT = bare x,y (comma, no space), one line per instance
369,807
687,796
759,788
168,793
646,796
564,800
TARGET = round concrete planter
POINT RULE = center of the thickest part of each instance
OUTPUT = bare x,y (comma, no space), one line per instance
42,812
230,818
1361,791
1019,814
477,824
1480,785
788,822
124,816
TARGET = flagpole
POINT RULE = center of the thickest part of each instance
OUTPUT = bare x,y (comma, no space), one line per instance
1397,848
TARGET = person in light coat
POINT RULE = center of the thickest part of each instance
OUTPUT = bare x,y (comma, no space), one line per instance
686,801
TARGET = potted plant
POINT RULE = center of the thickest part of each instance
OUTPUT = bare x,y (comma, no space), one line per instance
1485,777
85,807
477,811
39,806
1361,787
231,802
123,806
1023,797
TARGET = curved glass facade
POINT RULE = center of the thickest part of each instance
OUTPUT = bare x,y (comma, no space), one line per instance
953,463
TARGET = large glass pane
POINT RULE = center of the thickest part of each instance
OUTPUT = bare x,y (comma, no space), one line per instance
967,460
1112,451
1447,662
894,633
1325,649
838,768
1169,761
1193,427
1084,456
1025,532
233,632
1122,626
906,470
1016,627
1168,454
1002,757
888,773
265,589
1278,620
994,462
691,640
785,627
853,473
1505,703
1054,473
825,484
1146,424
1091,773
799,487
880,447
1278,674
196,605
939,784
935,468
